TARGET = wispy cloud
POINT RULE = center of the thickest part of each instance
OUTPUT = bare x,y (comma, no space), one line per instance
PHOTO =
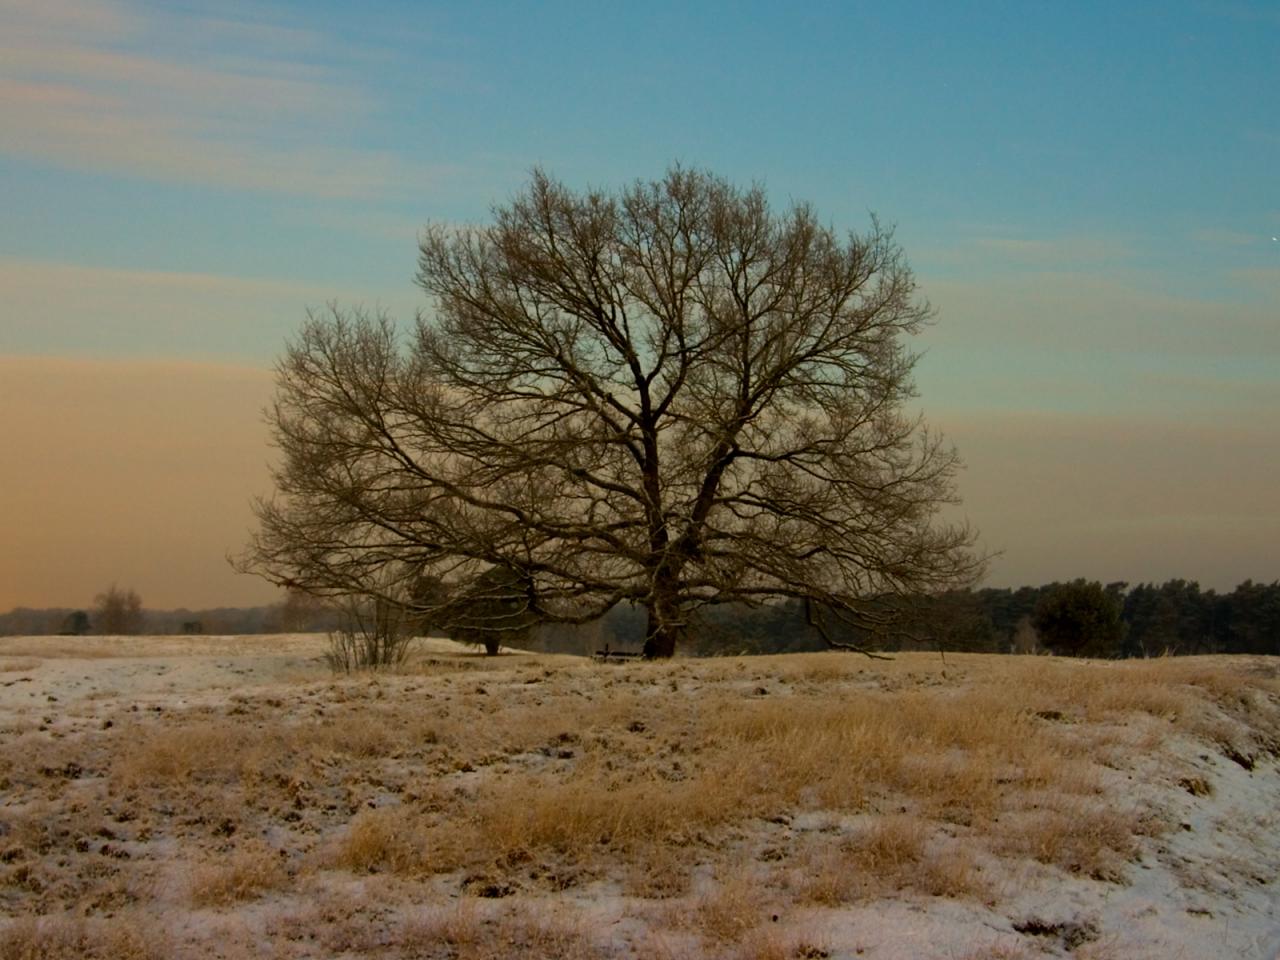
1072,249
184,96
1081,312
1214,237
1238,397
80,310
1011,248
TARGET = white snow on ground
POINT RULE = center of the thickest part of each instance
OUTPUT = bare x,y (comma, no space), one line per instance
1208,889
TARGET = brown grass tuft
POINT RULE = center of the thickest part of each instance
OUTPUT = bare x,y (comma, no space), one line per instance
658,872
465,933
731,909
892,853
1094,839
63,936
385,839
252,869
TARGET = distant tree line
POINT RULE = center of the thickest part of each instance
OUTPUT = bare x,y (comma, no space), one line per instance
1084,618
1081,617
120,611
1176,617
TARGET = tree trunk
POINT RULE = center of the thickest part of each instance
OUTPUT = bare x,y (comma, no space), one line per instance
660,641
663,628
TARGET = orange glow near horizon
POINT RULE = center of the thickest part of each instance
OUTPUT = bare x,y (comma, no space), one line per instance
141,473
131,472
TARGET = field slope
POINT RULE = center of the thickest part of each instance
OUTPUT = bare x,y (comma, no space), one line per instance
228,797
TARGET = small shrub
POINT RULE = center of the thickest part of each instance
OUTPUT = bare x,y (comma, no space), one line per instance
373,633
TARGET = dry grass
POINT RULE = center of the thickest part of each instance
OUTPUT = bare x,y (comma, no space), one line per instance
251,869
394,839
889,855
661,871
999,952
731,909
228,750
833,780
889,845
462,932
61,937
1093,839
98,647
963,758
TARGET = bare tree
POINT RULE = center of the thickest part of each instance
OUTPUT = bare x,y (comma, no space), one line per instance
670,395
117,611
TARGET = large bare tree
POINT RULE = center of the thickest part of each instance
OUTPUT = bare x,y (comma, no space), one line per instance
670,395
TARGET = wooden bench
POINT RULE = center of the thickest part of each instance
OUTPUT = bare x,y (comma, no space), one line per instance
615,656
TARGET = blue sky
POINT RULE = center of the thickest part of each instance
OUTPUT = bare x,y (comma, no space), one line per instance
1088,192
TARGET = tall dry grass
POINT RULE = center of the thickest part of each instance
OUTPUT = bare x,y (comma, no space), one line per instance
833,779
64,936
967,756
246,872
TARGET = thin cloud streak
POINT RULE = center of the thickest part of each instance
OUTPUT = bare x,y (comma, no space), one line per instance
84,92
79,310
1078,311
1233,239
1009,249
1056,251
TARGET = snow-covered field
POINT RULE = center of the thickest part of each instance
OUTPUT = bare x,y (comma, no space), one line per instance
229,797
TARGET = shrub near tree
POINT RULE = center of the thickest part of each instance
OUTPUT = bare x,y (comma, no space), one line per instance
1080,618
371,633
117,611
492,610
671,395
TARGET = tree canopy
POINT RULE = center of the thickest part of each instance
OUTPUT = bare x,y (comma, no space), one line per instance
671,395
1081,617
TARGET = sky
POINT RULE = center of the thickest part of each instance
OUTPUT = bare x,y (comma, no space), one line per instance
1088,194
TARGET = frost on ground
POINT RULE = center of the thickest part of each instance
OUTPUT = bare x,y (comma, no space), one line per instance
227,797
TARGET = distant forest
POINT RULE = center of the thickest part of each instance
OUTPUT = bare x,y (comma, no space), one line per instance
1176,617
295,614
1173,618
